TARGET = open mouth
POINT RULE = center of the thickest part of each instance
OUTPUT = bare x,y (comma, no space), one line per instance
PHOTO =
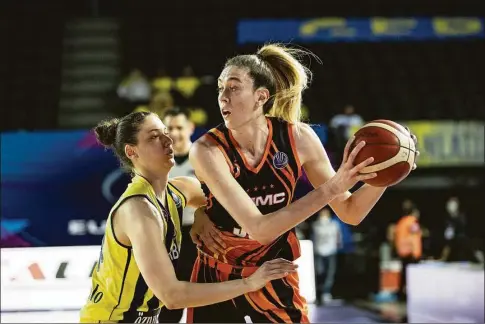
225,113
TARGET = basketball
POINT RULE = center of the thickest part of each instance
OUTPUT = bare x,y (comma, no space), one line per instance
392,148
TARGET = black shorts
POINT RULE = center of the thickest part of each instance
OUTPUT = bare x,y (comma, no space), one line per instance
278,302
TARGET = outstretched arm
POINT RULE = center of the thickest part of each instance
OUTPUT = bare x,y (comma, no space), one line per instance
350,208
211,167
140,221
191,189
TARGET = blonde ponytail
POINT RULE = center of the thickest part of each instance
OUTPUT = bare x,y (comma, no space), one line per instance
291,78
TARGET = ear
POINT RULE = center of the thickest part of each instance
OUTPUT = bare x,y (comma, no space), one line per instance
262,96
130,152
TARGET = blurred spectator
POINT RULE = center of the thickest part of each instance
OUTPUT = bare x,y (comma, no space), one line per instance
407,206
162,82
341,126
327,240
343,123
198,116
135,88
159,104
458,246
408,243
187,83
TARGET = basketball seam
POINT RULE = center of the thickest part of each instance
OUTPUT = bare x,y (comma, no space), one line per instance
369,144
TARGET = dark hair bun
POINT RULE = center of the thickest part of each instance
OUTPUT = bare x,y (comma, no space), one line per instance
106,132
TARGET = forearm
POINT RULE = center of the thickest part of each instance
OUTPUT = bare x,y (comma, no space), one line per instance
272,225
360,203
188,294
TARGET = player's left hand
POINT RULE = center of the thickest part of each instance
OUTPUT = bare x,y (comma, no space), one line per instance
415,139
204,232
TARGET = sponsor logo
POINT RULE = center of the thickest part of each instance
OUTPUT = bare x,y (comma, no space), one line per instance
269,200
80,227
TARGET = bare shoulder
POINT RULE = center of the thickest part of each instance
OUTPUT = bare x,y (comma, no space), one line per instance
205,151
136,208
305,137
205,141
302,131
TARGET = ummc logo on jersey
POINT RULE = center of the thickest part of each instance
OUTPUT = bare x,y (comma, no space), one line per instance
271,199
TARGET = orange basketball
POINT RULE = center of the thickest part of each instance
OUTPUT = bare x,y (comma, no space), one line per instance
392,148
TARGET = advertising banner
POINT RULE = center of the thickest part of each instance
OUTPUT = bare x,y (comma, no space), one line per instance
59,278
373,29
448,143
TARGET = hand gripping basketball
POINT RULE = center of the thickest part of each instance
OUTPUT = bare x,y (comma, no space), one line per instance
348,174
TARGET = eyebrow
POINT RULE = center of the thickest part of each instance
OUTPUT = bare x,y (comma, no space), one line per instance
156,130
230,79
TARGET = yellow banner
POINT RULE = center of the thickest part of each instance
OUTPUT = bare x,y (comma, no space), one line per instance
449,143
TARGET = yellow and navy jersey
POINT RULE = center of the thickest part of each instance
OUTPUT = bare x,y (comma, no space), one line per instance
119,293
271,185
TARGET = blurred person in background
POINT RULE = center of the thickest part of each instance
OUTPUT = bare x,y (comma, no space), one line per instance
180,130
458,246
187,83
159,104
249,166
135,88
341,126
184,87
408,243
345,121
327,239
135,274
162,82
407,206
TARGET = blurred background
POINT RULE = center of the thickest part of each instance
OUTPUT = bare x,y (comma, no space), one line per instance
66,65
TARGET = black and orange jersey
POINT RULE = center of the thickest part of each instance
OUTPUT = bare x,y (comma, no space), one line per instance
271,186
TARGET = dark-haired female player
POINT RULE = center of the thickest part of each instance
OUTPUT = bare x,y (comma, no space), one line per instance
135,276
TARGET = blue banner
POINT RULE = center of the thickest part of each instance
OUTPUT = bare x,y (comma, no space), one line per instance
374,29
57,188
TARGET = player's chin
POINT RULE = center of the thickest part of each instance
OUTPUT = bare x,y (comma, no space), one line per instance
167,162
227,123
230,124
170,162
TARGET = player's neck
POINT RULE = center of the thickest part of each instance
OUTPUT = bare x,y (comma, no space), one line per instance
252,136
158,183
182,149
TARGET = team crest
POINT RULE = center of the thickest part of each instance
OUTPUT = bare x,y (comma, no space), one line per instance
280,160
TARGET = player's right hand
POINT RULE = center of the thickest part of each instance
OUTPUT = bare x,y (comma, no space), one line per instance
204,232
349,174
270,270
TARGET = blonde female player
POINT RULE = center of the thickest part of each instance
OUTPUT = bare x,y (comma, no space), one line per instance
250,165
135,275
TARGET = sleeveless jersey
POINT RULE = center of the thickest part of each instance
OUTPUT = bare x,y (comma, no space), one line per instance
271,186
119,293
